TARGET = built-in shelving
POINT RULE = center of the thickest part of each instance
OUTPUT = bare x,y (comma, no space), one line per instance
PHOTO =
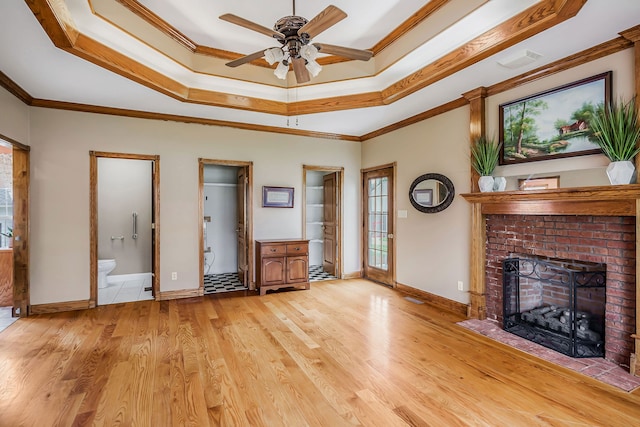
314,216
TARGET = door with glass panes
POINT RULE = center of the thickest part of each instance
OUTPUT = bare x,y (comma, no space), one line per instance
378,225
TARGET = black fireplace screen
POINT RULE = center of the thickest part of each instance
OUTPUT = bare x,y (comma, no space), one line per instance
557,303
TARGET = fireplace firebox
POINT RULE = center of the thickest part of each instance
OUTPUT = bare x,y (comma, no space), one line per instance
557,303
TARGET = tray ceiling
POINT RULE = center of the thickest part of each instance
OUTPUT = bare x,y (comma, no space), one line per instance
168,56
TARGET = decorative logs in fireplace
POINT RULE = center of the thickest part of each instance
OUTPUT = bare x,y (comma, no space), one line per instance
557,303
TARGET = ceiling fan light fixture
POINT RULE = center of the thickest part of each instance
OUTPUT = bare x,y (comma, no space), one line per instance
313,67
273,55
309,52
281,70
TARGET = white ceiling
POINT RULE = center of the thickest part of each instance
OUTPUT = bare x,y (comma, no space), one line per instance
28,57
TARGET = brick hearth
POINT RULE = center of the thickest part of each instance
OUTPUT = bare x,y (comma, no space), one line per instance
603,239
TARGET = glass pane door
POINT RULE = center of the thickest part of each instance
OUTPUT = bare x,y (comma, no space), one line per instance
378,223
378,202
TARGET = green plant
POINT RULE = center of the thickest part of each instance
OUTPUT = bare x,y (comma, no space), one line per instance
484,155
9,233
616,130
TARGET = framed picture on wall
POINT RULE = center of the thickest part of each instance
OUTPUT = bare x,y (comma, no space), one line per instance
277,197
554,123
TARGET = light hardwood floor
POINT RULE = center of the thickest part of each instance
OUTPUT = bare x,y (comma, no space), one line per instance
343,353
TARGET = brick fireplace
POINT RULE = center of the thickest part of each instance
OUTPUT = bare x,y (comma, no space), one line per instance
602,239
595,224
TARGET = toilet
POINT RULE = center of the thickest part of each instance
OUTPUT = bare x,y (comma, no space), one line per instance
105,266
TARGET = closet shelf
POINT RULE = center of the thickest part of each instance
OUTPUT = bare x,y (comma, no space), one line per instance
314,223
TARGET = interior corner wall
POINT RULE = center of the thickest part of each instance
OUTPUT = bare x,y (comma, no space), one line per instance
60,144
432,250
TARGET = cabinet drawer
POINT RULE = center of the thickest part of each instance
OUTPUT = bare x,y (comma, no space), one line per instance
269,250
297,248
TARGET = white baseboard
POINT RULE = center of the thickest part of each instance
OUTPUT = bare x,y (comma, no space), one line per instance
127,277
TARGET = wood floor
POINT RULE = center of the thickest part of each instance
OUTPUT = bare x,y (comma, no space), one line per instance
342,353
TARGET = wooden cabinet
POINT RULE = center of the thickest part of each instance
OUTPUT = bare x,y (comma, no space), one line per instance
282,264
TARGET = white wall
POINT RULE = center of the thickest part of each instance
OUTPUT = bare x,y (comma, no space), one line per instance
61,142
432,250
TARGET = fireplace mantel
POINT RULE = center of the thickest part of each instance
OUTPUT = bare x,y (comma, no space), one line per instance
616,200
611,200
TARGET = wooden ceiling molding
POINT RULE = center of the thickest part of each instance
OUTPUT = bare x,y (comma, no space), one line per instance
535,19
160,24
14,89
85,108
600,51
163,26
532,21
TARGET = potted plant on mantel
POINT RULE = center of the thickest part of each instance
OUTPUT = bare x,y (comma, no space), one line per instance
485,154
616,130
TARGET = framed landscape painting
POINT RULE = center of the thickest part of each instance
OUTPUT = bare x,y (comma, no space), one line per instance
554,123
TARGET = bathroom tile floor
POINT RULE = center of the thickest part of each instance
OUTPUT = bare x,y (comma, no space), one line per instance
317,273
125,291
225,282
5,318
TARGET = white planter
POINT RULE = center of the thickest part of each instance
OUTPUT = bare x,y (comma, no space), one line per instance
621,172
485,183
499,183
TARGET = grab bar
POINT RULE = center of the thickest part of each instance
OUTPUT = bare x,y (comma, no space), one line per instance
135,226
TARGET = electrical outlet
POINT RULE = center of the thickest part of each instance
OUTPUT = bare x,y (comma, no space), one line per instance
174,275
460,285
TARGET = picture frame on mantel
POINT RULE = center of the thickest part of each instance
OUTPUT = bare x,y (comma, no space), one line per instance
277,197
553,124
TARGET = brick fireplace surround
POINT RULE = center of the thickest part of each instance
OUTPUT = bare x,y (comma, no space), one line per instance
597,224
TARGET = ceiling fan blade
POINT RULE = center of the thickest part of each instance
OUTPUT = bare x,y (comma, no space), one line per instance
301,72
251,25
245,59
347,52
325,19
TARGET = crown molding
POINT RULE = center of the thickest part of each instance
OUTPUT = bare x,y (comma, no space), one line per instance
602,50
530,22
85,108
169,30
13,88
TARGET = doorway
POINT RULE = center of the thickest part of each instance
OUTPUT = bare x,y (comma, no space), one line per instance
322,213
124,227
378,202
226,226
14,229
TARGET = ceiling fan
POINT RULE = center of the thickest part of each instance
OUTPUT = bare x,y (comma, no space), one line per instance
295,34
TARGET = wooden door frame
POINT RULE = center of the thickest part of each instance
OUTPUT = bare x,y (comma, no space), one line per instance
339,170
249,215
392,209
21,207
93,209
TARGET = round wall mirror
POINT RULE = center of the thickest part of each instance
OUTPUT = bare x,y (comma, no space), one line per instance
431,193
